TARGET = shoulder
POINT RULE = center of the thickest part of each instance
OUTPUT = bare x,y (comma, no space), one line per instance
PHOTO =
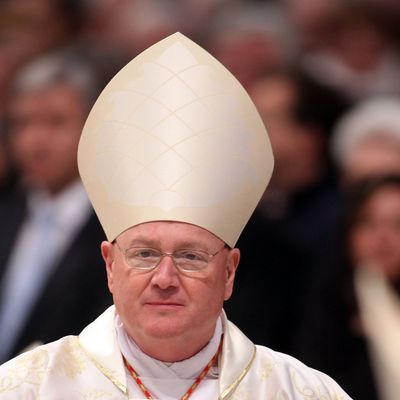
257,372
24,376
292,376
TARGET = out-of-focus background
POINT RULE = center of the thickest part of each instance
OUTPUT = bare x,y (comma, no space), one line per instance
325,76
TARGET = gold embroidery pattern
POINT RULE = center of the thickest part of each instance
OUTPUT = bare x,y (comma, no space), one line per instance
309,393
236,382
29,368
266,370
241,393
69,360
106,373
282,395
97,394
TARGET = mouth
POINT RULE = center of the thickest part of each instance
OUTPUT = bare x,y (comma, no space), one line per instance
164,305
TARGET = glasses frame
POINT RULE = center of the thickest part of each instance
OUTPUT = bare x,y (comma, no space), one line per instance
164,254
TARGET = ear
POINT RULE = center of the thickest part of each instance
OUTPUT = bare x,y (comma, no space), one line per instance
231,266
108,257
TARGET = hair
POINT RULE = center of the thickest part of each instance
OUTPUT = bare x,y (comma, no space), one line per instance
362,191
61,67
355,199
369,118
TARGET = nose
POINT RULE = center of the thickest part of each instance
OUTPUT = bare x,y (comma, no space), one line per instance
35,135
166,274
384,232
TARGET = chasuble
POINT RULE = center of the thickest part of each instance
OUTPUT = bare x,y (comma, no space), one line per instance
90,367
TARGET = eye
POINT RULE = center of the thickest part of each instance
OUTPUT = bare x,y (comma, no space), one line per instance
191,255
143,253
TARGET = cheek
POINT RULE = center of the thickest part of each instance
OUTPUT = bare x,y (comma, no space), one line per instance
124,285
207,293
359,244
126,296
65,144
396,241
20,145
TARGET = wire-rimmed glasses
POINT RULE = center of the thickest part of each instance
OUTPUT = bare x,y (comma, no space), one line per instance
186,260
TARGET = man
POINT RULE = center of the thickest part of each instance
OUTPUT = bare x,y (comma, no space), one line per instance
366,140
295,217
49,275
174,158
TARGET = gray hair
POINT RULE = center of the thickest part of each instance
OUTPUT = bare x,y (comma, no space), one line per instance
57,68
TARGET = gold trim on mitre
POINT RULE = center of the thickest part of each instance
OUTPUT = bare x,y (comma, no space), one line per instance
175,137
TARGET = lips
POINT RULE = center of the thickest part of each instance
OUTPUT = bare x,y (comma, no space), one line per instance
164,306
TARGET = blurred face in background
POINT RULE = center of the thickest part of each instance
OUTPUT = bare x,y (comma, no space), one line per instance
375,237
297,147
45,126
248,54
360,45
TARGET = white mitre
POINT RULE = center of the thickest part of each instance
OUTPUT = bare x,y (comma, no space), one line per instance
175,137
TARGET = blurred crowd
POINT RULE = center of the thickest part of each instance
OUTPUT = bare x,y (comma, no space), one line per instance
325,77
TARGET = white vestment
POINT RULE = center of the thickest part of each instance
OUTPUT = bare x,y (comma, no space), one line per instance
90,367
380,315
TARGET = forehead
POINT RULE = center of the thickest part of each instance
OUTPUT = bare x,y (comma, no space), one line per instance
169,232
59,94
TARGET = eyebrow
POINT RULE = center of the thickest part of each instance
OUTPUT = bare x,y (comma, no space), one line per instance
140,241
143,241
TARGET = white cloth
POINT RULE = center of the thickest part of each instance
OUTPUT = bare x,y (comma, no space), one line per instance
51,224
91,367
380,315
170,381
327,68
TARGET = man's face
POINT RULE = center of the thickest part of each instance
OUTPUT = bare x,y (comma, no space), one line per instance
166,303
45,127
297,146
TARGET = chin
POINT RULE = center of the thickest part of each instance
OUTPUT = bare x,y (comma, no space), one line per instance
165,330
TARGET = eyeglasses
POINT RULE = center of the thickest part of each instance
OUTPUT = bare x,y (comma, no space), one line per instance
146,259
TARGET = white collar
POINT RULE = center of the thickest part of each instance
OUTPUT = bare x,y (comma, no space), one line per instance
71,204
99,341
147,366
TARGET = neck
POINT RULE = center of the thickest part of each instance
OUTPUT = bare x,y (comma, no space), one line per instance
52,190
173,349
169,349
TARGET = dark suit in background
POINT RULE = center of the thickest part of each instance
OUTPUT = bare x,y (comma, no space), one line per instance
75,292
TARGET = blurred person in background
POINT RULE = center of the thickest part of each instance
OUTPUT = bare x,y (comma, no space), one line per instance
7,170
366,140
250,39
174,172
310,21
360,58
297,213
365,145
23,21
299,115
32,28
334,335
51,282
128,27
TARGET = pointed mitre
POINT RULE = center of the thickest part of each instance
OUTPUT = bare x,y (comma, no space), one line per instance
175,137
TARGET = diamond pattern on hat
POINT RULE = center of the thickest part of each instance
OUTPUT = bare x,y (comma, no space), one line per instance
174,136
